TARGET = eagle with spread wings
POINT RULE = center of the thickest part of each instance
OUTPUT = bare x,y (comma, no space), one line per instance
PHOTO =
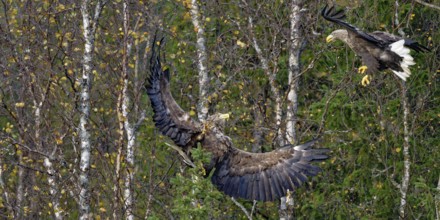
253,176
378,50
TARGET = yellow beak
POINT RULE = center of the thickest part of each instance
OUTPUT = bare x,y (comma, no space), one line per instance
329,38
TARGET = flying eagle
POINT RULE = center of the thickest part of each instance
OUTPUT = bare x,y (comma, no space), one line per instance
378,50
253,176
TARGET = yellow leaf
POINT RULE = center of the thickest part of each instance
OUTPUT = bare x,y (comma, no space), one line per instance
19,104
241,44
102,209
192,113
398,150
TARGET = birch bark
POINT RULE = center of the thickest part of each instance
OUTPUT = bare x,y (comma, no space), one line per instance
89,29
202,106
129,129
406,156
273,86
287,203
403,187
294,70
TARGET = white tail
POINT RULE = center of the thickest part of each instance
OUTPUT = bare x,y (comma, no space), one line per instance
407,60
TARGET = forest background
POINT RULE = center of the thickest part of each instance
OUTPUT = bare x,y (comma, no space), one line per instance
76,133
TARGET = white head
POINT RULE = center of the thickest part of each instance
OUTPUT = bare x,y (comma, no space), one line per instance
340,34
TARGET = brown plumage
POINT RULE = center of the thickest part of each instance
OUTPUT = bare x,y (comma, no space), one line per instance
253,176
378,50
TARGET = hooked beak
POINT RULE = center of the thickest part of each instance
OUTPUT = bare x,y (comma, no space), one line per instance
329,38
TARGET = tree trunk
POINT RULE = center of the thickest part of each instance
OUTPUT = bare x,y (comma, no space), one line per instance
89,29
129,128
202,106
273,86
406,156
287,203
296,37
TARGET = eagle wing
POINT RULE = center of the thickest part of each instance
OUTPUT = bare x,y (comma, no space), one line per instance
169,118
390,38
334,16
370,61
266,176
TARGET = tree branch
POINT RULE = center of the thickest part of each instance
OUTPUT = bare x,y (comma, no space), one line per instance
427,4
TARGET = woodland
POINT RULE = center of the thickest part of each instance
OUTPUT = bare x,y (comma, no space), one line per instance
78,141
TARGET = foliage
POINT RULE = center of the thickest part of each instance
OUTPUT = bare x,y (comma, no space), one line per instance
197,197
41,55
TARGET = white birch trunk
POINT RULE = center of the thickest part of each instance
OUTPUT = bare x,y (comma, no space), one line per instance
202,105
129,129
5,193
437,200
89,28
406,157
294,70
20,191
273,87
287,203
51,178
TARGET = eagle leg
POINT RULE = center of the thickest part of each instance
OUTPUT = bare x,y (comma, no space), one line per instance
366,80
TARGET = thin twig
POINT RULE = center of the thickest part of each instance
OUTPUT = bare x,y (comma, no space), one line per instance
249,216
186,158
428,5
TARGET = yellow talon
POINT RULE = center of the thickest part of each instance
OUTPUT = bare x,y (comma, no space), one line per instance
366,80
362,69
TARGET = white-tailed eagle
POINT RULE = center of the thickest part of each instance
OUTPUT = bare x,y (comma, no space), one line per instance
378,50
253,176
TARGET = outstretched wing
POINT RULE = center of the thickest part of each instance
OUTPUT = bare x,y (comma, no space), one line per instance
266,176
169,118
390,38
334,16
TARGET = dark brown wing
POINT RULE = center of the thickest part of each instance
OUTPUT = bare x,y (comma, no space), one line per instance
266,176
334,16
390,38
169,118
370,61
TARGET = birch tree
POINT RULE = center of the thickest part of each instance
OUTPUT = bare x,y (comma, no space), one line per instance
295,47
129,127
296,39
271,74
90,23
403,186
196,18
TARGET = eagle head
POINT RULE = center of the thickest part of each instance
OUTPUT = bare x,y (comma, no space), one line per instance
217,120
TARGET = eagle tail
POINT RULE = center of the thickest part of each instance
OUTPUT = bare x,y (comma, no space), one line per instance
399,48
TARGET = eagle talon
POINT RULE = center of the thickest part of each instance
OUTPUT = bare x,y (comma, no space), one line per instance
366,80
362,69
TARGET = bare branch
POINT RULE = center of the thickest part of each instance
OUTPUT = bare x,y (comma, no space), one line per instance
245,211
428,5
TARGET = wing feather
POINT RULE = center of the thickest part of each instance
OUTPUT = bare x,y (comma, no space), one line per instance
390,38
169,118
267,176
334,16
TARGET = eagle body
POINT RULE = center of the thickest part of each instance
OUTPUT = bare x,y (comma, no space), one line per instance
378,50
237,173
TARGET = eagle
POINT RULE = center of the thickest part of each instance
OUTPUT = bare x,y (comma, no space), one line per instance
378,50
237,173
